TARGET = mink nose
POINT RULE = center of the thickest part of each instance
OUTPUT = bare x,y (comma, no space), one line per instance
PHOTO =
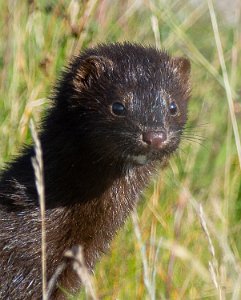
154,139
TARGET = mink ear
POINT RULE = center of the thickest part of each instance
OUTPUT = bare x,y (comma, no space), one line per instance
91,69
184,67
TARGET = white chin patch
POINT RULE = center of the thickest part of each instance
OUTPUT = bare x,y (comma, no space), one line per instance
139,159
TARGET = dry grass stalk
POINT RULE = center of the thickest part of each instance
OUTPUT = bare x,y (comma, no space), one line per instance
88,11
213,264
177,230
156,31
76,253
37,163
53,280
146,277
227,86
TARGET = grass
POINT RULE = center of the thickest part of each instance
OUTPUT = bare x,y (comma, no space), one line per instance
165,252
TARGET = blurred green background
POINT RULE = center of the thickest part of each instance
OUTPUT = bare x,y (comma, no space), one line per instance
186,251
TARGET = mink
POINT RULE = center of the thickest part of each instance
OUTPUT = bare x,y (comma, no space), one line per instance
117,114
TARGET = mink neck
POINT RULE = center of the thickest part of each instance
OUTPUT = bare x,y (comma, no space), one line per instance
72,176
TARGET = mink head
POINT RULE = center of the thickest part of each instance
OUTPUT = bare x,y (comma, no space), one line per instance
125,103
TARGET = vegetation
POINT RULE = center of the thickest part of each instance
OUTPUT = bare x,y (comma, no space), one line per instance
185,243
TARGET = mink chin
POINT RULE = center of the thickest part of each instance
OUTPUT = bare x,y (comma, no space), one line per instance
117,114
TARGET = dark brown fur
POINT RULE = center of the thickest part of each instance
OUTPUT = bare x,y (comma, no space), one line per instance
96,164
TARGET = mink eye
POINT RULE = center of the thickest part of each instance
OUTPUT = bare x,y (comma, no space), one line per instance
118,109
173,108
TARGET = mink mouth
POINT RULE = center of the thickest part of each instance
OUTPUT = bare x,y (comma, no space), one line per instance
140,159
147,155
144,158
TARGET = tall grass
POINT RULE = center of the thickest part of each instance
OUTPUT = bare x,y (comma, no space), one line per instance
165,253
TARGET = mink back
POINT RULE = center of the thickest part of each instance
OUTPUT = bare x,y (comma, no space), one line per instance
117,114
